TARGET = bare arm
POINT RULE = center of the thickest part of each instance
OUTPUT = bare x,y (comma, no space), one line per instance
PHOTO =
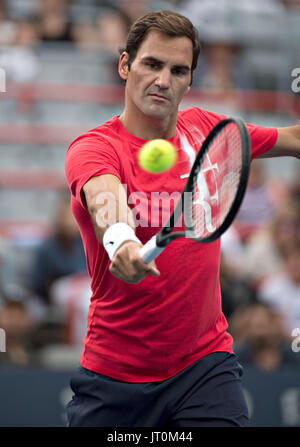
107,204
287,144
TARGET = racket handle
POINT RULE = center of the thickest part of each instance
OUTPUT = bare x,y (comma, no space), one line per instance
150,250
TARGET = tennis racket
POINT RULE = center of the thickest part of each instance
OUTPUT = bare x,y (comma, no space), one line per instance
214,189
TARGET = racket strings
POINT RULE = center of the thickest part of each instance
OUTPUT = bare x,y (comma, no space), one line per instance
216,184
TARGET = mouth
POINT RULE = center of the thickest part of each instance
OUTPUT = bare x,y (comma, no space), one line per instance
158,97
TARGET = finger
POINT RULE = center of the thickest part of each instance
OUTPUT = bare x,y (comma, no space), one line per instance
125,276
129,266
152,268
153,271
123,268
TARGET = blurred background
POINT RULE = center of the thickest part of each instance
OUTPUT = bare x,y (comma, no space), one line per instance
60,59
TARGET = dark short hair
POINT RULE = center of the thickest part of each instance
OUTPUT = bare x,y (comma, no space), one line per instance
169,23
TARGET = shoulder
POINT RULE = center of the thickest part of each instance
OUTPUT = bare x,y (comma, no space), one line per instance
94,153
201,114
96,137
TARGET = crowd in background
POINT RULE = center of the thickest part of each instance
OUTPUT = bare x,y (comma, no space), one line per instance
260,272
102,25
260,265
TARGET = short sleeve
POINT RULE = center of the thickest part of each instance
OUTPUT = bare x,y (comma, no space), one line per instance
262,138
88,157
205,119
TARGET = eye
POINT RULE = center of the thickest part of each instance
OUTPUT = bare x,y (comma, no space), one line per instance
179,71
153,65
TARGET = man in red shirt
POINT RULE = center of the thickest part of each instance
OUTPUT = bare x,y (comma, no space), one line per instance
156,351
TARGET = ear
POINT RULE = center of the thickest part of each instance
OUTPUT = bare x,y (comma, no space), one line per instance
187,90
123,65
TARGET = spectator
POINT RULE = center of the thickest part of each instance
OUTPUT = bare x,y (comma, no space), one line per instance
294,187
21,63
282,291
7,267
236,291
270,242
55,24
7,27
232,248
60,255
18,327
259,203
221,68
260,337
71,297
19,60
85,36
112,29
225,28
292,5
133,9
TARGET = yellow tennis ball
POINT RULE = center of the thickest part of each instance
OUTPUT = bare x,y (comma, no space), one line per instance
157,155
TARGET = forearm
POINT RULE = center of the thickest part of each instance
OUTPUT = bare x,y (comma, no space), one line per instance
107,204
295,147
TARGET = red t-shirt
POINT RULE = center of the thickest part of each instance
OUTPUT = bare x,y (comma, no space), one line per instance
151,330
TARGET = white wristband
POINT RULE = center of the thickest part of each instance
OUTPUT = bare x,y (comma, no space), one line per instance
115,235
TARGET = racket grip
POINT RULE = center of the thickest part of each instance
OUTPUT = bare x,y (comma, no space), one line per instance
150,250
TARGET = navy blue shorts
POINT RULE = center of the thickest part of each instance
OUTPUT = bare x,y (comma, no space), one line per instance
208,393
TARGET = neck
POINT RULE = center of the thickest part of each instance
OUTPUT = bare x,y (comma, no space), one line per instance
148,127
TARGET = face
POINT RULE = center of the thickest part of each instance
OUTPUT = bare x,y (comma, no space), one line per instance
159,75
264,325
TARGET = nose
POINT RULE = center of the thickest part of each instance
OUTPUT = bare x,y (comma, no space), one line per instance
163,79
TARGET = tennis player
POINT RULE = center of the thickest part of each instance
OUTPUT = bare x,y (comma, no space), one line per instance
156,352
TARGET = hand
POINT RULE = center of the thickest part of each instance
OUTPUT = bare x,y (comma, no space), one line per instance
128,265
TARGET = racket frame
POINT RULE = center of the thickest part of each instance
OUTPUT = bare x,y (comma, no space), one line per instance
165,235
